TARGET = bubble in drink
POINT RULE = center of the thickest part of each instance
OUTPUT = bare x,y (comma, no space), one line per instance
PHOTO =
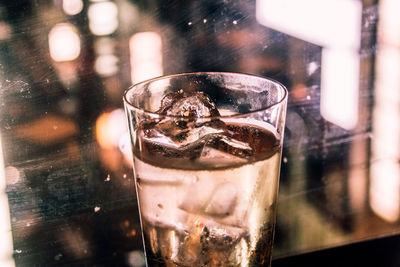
216,181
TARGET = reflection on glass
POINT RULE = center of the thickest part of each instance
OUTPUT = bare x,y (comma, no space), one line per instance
64,42
145,56
72,7
103,18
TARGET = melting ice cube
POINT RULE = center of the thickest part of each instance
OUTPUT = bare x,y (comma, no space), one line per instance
222,201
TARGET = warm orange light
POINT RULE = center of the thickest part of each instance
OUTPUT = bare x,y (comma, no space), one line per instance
110,126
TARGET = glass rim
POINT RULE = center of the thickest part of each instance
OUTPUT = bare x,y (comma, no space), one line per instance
159,78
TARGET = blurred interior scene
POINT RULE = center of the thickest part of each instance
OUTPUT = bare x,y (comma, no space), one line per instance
67,194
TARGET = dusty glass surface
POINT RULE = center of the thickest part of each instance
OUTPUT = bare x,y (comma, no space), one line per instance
66,185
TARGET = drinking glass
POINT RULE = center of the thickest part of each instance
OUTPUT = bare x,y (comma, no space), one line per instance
206,160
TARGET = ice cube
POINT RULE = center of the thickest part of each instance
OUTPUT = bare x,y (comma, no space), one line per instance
196,196
218,236
166,133
180,134
188,104
221,150
223,200
218,159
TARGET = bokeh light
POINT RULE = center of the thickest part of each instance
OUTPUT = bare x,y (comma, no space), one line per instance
145,56
103,18
72,7
110,126
64,42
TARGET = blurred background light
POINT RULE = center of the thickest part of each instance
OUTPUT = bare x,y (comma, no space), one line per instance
13,175
136,259
103,18
110,126
322,28
72,7
384,189
64,42
104,45
5,31
339,86
385,143
6,243
145,56
106,65
340,41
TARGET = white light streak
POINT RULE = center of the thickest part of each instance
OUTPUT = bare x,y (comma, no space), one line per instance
339,86
64,42
317,22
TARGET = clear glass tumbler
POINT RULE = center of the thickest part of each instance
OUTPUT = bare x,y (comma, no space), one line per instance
206,156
